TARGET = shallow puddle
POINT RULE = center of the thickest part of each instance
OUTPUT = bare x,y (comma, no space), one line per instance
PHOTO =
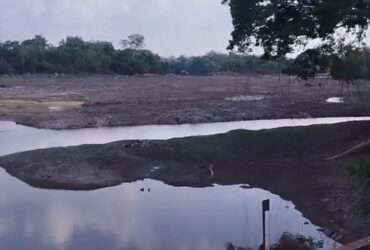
16,138
145,215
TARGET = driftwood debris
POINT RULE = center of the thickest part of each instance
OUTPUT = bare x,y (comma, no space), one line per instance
351,150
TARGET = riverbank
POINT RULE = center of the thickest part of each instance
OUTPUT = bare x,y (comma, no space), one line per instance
290,162
66,102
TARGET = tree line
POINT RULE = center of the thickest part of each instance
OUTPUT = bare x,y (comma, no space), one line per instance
338,29
348,64
74,55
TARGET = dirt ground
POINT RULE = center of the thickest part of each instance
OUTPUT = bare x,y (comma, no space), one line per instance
289,162
59,102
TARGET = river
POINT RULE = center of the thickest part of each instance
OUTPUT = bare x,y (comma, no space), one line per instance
145,215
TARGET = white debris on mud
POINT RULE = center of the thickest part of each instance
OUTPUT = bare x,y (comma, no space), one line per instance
55,108
335,100
245,98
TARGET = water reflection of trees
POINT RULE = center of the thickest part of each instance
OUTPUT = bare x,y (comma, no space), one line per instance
287,242
231,246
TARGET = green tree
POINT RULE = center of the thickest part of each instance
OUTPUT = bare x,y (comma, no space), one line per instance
74,55
279,26
350,65
10,53
5,67
32,53
308,64
134,41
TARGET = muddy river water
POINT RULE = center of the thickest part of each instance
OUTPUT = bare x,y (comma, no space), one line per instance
17,138
147,214
143,215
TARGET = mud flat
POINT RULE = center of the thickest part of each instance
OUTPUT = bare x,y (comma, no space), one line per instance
65,102
290,162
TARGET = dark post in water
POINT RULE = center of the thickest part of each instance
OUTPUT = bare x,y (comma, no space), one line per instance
265,208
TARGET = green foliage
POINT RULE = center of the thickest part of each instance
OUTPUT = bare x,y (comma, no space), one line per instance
361,172
216,62
74,55
352,65
307,64
131,61
5,67
134,41
278,26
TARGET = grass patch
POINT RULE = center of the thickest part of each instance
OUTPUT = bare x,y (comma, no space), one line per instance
361,173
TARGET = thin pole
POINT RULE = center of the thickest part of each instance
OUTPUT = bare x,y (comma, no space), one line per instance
265,208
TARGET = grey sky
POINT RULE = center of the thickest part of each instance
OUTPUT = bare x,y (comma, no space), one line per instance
171,27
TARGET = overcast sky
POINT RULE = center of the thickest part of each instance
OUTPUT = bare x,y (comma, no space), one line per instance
171,27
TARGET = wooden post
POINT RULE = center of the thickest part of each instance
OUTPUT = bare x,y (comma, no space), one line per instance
265,208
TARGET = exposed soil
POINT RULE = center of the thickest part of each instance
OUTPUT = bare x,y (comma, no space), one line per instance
140,100
290,162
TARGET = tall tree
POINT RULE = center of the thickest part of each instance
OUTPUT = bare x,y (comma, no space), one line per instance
279,26
134,41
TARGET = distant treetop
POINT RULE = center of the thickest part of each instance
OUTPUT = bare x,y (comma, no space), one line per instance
134,41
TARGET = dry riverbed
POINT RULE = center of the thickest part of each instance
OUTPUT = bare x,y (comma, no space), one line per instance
103,101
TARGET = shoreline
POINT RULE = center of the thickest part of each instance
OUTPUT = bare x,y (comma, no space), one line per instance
316,186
